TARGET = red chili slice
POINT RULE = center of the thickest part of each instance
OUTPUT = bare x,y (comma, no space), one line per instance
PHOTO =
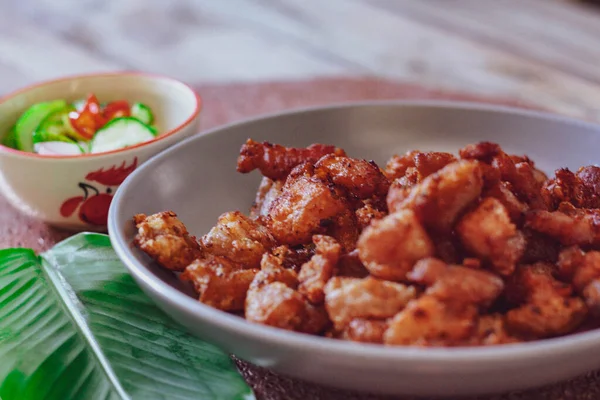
89,120
116,109
84,123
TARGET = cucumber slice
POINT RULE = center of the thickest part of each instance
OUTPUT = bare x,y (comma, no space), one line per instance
85,146
142,112
54,125
40,136
120,133
57,148
31,119
10,140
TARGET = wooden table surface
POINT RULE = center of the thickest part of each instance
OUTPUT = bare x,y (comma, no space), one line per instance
540,51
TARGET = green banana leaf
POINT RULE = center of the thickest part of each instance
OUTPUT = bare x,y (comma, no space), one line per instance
74,325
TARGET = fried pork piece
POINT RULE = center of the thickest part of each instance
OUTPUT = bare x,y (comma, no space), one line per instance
367,213
564,187
362,179
590,176
315,319
238,238
272,270
487,232
399,191
491,330
482,151
446,315
272,299
349,265
294,258
472,262
268,190
440,198
551,316
315,273
568,225
502,191
525,180
410,169
428,321
591,294
540,176
579,267
344,228
548,308
275,161
457,284
276,304
540,248
165,238
389,247
356,183
219,282
534,281
350,298
528,181
306,206
583,271
582,189
365,330
417,164
448,247
397,166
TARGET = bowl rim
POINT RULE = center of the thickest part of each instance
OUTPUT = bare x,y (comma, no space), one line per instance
475,355
198,106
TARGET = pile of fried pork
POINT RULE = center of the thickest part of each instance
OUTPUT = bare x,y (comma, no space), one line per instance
433,250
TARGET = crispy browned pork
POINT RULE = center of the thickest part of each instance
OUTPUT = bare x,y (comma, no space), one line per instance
275,161
440,198
219,282
488,233
165,238
546,305
238,238
568,225
581,189
390,246
316,272
414,166
434,250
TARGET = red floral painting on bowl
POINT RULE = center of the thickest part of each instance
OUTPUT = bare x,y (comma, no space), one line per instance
98,190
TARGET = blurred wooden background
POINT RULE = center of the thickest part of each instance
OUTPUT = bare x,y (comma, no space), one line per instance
544,52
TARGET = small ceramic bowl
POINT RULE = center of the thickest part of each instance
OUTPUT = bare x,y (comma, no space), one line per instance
74,192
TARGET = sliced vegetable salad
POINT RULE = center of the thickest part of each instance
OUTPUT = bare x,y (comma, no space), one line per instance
60,128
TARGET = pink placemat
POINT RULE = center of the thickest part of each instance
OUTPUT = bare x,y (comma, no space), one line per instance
231,102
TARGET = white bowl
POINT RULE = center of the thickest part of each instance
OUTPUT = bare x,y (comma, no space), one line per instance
198,180
74,192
